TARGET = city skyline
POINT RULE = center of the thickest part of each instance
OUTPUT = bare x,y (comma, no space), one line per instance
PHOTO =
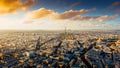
58,14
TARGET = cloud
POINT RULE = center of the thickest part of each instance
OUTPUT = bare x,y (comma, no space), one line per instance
29,3
112,17
52,15
27,21
42,12
69,14
72,5
97,18
118,10
117,3
8,6
89,24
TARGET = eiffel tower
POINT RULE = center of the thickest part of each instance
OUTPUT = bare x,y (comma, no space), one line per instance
37,46
67,35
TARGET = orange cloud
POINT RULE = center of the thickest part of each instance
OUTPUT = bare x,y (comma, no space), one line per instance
117,3
118,10
112,17
42,12
90,18
101,18
8,6
68,14
97,18
72,5
48,13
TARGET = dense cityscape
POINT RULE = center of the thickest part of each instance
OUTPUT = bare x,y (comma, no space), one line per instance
60,49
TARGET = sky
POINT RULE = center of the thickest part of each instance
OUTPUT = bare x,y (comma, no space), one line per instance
58,14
